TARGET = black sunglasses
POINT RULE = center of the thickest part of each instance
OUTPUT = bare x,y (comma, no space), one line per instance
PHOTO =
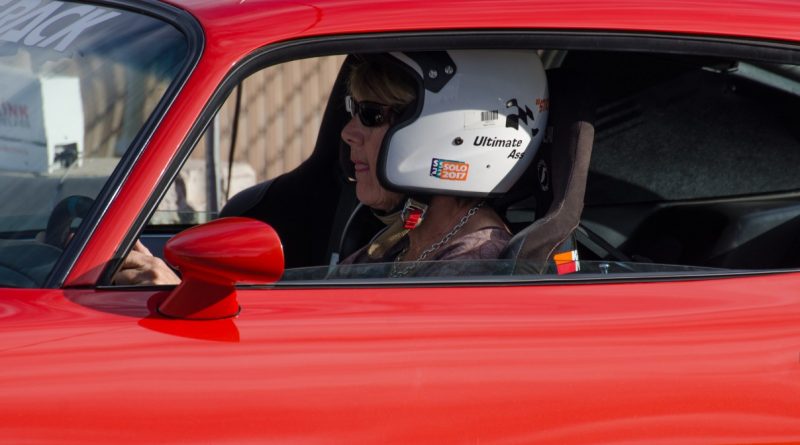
371,114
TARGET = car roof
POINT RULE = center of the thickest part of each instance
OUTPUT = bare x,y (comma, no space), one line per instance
768,19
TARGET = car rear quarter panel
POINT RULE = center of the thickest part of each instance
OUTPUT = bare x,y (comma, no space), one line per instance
715,361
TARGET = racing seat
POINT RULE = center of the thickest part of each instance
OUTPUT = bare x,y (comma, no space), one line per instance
565,159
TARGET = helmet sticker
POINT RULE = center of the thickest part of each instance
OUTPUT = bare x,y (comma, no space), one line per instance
516,155
449,170
475,120
523,114
543,104
492,118
484,141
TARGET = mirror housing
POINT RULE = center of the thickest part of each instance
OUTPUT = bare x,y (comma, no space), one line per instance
212,258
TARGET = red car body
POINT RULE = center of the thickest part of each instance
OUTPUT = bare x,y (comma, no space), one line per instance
689,361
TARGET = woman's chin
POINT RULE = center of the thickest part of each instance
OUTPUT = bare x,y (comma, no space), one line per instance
379,201
365,195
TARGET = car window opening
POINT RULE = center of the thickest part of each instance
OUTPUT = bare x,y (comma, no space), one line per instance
685,176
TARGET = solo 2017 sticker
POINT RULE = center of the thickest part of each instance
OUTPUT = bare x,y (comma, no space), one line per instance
449,170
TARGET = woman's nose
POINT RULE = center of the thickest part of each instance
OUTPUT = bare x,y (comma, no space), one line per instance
351,133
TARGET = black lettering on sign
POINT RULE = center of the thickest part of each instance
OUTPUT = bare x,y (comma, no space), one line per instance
52,24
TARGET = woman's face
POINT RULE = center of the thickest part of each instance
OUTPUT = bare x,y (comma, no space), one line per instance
365,142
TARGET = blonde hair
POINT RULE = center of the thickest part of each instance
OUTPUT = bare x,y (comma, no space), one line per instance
371,80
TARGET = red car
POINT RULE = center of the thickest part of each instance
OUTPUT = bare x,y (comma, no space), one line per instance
672,315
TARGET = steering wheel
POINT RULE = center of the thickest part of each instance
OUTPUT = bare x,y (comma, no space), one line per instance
64,213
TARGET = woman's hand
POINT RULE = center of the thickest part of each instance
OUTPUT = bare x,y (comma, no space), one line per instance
140,267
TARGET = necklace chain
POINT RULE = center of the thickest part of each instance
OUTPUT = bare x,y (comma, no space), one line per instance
397,272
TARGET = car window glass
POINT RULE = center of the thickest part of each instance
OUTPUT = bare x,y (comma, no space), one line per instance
273,127
693,160
669,130
697,129
77,83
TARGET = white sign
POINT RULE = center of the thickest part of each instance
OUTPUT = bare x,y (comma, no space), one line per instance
41,122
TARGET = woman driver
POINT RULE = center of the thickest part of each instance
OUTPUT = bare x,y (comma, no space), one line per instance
434,133
472,134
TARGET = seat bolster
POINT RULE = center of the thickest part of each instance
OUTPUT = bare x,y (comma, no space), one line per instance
571,154
242,202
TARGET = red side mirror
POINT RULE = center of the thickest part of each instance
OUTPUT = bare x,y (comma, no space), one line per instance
212,258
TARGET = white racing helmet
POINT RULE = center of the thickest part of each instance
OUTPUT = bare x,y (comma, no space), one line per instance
478,120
